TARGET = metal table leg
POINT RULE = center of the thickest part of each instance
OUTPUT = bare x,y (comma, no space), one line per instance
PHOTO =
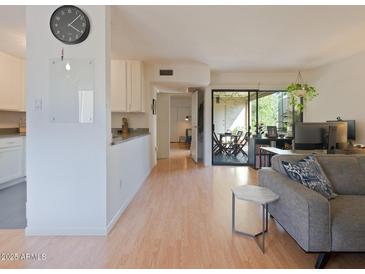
267,217
265,224
233,212
263,229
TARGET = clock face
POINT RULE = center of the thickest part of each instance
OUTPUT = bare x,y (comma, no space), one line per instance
70,25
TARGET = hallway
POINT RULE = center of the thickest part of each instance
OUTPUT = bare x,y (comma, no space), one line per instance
180,218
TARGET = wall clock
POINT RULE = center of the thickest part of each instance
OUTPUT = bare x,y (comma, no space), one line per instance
70,25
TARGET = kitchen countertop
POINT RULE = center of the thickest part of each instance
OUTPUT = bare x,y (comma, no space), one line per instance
11,135
131,136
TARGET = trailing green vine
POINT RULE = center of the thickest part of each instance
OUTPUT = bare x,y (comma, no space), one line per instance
297,91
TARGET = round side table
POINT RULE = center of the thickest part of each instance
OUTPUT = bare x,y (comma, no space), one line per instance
259,195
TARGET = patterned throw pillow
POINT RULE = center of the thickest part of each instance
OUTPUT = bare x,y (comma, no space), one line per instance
309,173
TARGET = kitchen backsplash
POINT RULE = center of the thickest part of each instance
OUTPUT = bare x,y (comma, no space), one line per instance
10,119
135,120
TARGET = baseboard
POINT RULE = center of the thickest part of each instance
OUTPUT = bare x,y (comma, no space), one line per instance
119,213
123,207
65,231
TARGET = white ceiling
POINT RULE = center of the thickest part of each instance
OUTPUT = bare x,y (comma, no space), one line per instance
230,38
251,38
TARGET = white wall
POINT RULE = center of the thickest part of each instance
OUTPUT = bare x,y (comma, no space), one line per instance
251,80
341,93
163,126
188,74
66,162
180,108
129,167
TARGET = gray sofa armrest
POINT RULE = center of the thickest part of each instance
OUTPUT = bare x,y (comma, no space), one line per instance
302,212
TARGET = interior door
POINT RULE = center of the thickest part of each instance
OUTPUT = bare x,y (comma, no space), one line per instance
194,126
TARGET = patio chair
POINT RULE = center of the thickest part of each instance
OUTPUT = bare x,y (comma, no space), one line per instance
241,143
218,147
233,144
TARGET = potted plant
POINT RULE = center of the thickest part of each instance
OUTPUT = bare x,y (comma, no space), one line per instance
260,130
299,90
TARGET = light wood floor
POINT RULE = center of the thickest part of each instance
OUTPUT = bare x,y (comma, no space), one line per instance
181,218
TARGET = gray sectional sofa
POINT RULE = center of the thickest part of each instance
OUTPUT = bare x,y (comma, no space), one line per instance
317,224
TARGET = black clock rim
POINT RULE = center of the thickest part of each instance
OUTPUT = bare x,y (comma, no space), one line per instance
83,36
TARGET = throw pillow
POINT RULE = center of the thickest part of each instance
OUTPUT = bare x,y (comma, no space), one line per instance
308,172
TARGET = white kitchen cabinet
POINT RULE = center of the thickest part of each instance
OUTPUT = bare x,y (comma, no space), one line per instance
127,86
12,79
12,159
118,86
134,91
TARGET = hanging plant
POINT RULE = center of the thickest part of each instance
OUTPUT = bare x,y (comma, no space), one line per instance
300,90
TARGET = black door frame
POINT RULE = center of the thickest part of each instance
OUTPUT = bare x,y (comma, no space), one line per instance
249,91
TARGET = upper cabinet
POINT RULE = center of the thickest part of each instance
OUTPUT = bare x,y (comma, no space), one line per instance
118,86
127,86
12,83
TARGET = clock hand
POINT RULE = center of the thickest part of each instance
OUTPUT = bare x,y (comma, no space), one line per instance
74,20
74,28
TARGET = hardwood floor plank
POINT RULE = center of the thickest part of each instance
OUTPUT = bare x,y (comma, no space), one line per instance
180,218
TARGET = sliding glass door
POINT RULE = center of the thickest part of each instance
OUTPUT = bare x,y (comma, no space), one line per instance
238,115
231,126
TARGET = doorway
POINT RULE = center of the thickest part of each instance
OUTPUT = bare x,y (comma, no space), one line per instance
174,123
231,117
180,124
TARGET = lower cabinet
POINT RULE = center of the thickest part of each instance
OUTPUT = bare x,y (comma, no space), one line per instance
12,159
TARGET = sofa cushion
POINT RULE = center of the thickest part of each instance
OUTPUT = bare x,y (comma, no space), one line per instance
348,223
308,172
345,173
277,159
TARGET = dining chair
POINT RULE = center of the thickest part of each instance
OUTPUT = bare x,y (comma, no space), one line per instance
219,146
241,143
